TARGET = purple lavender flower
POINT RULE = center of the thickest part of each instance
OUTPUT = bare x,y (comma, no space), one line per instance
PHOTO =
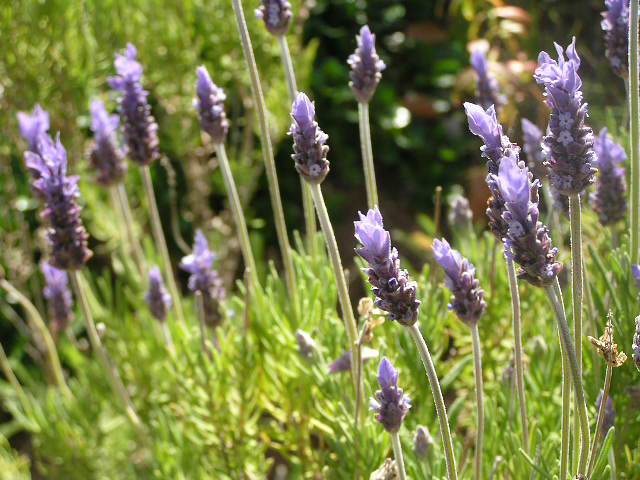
569,142
615,24
390,403
527,241
636,344
460,214
59,192
210,107
276,15
34,127
58,295
532,146
487,93
310,151
609,413
635,271
394,292
467,300
157,296
422,442
306,344
204,278
107,156
610,200
343,362
366,66
140,128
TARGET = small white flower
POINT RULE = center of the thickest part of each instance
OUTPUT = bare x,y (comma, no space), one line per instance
515,229
315,170
565,138
565,120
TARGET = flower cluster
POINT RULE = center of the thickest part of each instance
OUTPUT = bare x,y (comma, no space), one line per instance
487,90
157,297
204,278
532,146
276,15
467,300
460,214
140,128
636,344
615,23
610,200
390,403
58,295
34,127
422,442
527,241
394,292
569,141
210,106
107,157
59,192
366,66
310,151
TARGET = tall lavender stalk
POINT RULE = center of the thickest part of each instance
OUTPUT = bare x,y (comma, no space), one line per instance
396,294
366,72
267,151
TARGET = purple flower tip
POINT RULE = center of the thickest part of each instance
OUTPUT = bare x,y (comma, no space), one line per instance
390,403
303,111
366,66
635,271
484,124
210,106
59,299
610,199
107,156
387,374
129,69
310,151
34,126
486,85
157,297
513,182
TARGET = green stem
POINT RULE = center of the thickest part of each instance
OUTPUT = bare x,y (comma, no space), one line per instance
236,209
634,130
477,363
161,243
103,356
600,421
341,283
441,410
367,155
397,454
517,341
120,205
5,366
41,327
267,150
203,325
555,296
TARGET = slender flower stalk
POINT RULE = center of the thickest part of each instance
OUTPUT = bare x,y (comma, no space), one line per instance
6,369
398,456
267,149
634,132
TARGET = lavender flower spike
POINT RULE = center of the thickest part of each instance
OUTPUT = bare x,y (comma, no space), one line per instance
467,300
636,344
390,403
615,24
157,296
609,413
59,193
460,214
204,278
486,85
210,106
422,442
635,271
276,15
366,66
107,156
610,200
58,295
532,145
34,127
569,141
394,292
527,241
310,151
140,128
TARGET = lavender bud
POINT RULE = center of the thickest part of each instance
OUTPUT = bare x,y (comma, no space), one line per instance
487,93
569,142
395,292
366,66
532,146
390,403
460,214
527,241
58,295
276,15
467,300
157,296
204,278
635,271
140,128
636,344
210,106
615,24
609,413
422,442
34,127
306,344
343,362
310,155
59,192
610,200
107,157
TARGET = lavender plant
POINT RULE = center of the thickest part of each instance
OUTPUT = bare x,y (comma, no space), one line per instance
487,88
610,200
159,301
59,299
615,24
